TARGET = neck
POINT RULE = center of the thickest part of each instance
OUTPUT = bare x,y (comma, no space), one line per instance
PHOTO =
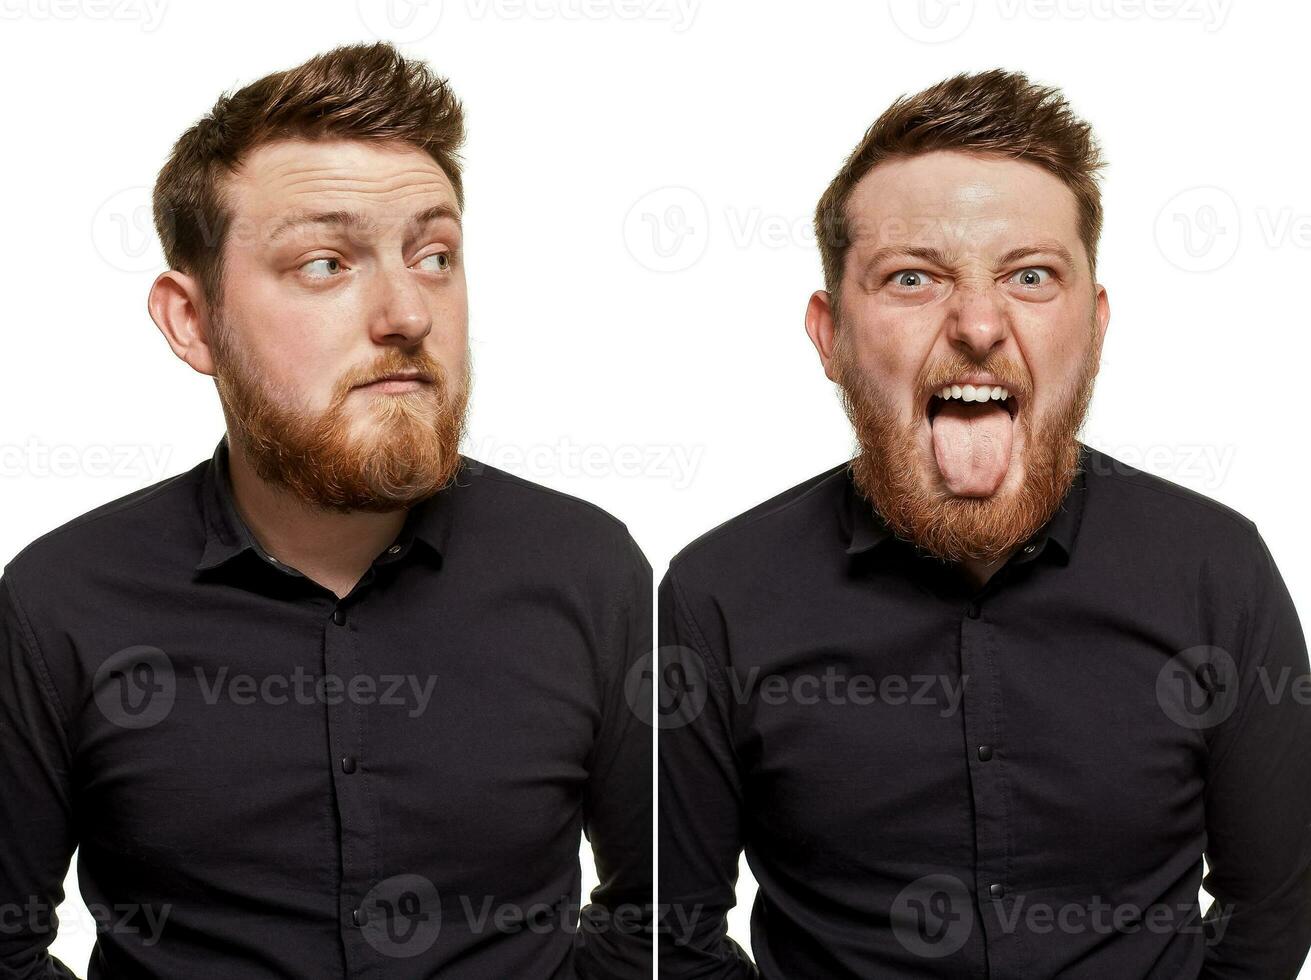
979,572
331,547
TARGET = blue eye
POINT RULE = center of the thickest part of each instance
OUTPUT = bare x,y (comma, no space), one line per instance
1033,277
316,268
441,265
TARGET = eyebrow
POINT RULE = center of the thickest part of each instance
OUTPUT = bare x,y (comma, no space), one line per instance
937,256
354,220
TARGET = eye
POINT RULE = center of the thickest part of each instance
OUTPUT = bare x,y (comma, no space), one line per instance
441,264
912,278
324,268
1032,277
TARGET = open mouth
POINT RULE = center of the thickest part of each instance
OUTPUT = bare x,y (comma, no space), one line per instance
972,430
973,398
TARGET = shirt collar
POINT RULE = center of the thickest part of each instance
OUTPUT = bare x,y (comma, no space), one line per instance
868,530
227,535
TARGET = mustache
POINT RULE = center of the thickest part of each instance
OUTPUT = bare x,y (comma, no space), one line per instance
427,367
1003,371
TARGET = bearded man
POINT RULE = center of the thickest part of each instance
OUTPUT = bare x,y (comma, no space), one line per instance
979,702
337,702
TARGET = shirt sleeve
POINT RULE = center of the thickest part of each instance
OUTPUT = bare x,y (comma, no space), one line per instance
1258,794
615,932
36,824
700,802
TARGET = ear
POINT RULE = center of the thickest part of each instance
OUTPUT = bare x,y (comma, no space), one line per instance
1103,315
820,327
176,304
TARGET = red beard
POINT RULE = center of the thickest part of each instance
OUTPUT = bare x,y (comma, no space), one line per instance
987,529
414,454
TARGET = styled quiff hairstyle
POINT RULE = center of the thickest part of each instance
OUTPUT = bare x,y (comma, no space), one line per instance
362,92
993,112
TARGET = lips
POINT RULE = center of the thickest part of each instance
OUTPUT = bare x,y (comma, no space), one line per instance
397,377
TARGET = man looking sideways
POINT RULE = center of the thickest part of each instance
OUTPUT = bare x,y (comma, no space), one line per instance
337,702
978,703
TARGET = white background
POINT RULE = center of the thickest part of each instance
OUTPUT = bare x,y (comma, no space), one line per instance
640,181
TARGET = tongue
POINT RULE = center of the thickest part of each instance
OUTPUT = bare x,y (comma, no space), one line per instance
972,443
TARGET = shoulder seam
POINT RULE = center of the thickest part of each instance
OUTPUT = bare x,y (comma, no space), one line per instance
683,608
1160,485
87,518
725,528
510,479
36,656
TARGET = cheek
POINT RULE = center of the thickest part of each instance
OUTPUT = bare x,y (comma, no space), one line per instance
293,361
891,352
1055,356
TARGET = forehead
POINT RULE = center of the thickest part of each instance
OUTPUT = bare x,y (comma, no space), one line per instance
965,202
374,179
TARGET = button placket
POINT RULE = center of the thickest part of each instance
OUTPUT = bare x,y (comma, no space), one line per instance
986,772
356,820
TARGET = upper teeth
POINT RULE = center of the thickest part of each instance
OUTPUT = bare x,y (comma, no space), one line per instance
974,393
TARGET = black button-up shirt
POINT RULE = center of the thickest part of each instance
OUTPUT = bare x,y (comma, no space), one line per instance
1017,781
267,781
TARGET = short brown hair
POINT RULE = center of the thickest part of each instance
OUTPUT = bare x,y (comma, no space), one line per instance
363,91
995,112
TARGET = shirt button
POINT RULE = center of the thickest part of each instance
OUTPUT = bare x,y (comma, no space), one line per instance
985,753
339,616
996,891
358,916
973,610
348,764
393,549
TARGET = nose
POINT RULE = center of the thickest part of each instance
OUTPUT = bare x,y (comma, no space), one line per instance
401,314
977,323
